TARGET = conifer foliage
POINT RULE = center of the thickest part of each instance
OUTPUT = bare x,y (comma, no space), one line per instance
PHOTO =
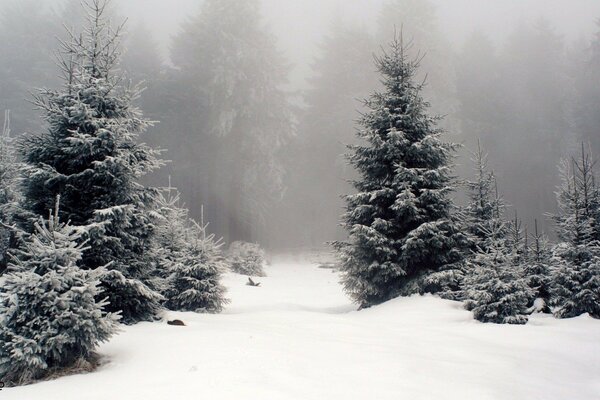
190,261
90,155
194,280
247,258
485,208
10,195
496,289
51,319
576,278
399,221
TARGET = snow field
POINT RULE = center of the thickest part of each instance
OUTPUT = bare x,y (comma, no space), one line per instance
298,337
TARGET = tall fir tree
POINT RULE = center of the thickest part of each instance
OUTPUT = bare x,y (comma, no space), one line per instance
576,277
419,21
400,222
90,155
51,320
233,74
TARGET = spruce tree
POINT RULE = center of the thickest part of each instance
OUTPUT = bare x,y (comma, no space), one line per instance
484,212
194,281
246,259
171,235
51,320
189,261
91,156
400,224
496,289
537,270
576,277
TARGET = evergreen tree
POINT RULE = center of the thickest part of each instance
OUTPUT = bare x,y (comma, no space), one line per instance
10,196
189,260
538,271
400,223
91,156
246,259
194,281
418,20
484,212
51,319
517,242
171,235
576,280
576,277
496,289
233,75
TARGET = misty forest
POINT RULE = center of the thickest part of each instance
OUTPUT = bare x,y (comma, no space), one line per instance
299,199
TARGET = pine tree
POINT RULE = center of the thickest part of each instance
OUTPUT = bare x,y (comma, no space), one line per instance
51,320
576,280
90,155
400,222
576,277
10,195
496,289
517,242
537,270
484,212
189,260
171,235
194,281
246,259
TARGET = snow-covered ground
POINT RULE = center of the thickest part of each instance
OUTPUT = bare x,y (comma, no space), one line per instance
297,337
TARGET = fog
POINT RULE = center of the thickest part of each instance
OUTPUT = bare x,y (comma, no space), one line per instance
521,76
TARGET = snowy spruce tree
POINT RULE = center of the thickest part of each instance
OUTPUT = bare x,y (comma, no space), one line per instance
485,210
194,280
496,289
10,196
576,276
400,224
246,258
537,269
171,234
50,318
91,156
